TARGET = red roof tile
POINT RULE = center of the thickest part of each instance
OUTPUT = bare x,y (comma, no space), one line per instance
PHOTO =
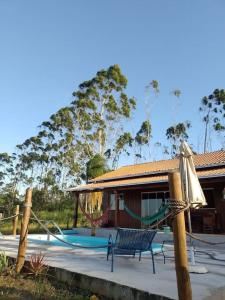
162,166
155,172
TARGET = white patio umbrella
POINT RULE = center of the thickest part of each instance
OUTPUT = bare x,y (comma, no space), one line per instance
191,188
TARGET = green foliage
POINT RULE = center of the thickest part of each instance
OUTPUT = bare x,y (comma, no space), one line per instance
142,136
215,104
98,105
75,137
176,93
3,262
154,84
176,134
123,142
96,167
213,110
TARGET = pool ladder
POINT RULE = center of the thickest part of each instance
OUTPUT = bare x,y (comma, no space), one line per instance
57,226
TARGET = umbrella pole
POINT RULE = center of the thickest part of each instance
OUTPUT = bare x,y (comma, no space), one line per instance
193,268
192,253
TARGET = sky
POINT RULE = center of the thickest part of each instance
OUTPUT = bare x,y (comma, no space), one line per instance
47,48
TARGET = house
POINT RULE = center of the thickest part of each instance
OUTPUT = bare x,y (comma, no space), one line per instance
144,188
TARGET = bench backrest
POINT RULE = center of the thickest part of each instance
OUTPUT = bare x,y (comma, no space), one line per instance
134,239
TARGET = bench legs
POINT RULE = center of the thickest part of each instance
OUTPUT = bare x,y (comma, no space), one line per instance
153,261
112,262
140,256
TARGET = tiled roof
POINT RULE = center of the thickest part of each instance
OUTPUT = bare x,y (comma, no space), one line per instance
162,166
151,179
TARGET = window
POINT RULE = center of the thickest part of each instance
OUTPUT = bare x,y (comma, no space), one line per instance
151,202
113,201
121,201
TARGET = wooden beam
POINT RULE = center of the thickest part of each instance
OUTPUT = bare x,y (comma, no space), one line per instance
179,232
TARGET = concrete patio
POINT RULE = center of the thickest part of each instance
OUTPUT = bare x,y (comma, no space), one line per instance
129,271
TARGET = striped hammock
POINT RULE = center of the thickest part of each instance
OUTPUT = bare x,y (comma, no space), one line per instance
148,220
95,221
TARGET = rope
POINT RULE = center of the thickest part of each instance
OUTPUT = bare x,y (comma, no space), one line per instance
175,208
8,218
211,255
77,246
63,241
202,240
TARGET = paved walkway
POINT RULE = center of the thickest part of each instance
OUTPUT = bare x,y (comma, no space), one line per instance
129,271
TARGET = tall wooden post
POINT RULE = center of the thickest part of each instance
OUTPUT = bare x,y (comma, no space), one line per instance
24,230
15,220
75,215
179,232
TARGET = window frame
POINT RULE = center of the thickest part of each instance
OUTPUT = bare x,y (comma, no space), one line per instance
121,201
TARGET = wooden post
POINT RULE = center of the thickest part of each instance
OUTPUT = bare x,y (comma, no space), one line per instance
15,220
179,232
24,231
75,215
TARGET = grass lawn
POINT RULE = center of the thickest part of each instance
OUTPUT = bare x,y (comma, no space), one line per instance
19,287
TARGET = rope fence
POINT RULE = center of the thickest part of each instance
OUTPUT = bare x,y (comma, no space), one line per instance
202,240
62,240
8,218
175,208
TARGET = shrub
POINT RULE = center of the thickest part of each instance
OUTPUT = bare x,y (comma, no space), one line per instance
36,265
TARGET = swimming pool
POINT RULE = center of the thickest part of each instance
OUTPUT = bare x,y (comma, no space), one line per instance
79,240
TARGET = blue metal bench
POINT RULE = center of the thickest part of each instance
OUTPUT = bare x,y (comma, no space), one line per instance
130,242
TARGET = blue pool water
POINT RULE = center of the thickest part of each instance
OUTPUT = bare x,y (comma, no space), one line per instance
87,241
80,240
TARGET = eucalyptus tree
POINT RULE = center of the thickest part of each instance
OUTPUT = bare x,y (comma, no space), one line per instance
79,136
142,137
176,93
5,166
152,89
175,134
100,107
123,144
9,178
213,109
61,146
29,157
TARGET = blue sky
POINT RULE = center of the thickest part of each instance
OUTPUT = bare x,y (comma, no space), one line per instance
49,47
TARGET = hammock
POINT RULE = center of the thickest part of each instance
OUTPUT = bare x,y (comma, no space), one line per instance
148,220
95,221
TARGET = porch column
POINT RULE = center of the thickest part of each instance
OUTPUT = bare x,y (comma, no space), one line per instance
117,209
75,215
